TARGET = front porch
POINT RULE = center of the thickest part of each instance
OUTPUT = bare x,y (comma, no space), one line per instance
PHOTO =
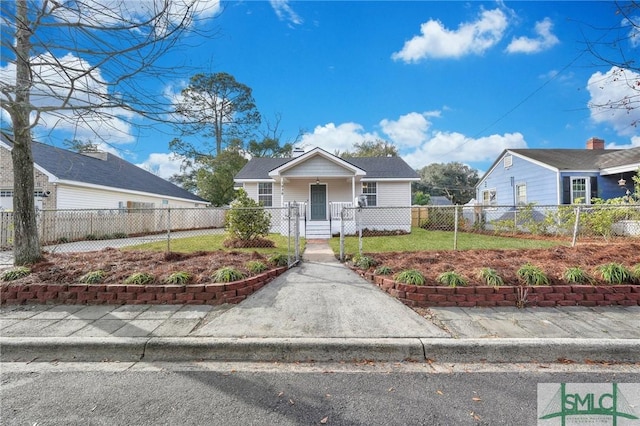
313,228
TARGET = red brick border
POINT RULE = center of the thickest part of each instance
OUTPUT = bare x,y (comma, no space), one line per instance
120,294
543,296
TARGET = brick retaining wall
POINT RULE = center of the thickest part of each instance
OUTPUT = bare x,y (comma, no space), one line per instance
544,296
120,294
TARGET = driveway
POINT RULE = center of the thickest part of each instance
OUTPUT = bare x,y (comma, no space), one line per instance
319,298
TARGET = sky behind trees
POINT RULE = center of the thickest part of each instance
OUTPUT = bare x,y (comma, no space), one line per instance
442,81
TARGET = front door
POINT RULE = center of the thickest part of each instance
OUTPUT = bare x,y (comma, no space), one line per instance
319,202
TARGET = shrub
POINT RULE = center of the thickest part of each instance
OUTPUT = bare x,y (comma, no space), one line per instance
410,276
452,279
247,219
364,262
227,274
179,277
119,235
139,278
490,277
256,267
15,273
532,275
279,259
62,240
577,275
93,277
384,270
91,237
615,273
636,273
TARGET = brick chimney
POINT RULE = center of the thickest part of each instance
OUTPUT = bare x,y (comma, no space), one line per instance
595,143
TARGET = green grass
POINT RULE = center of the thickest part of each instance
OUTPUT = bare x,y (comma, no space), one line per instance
423,240
213,243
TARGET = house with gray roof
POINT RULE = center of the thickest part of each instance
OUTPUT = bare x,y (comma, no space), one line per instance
91,180
323,184
558,176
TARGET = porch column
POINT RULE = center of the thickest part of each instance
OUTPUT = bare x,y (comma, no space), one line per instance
353,188
281,191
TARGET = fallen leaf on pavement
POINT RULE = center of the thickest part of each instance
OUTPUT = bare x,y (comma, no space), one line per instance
324,420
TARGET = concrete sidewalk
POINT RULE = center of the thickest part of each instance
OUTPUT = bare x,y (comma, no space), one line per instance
322,311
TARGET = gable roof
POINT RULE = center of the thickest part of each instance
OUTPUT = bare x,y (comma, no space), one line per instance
567,159
113,172
375,167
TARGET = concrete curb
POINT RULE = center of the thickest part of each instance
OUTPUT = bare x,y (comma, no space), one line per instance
284,349
184,349
72,349
527,350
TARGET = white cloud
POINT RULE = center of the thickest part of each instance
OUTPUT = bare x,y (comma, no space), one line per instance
633,23
634,143
284,12
417,145
445,147
334,138
436,41
112,13
52,89
615,99
163,165
545,39
408,131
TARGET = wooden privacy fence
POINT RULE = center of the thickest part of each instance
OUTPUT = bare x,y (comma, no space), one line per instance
76,225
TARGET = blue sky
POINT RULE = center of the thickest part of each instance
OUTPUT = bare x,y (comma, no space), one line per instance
443,81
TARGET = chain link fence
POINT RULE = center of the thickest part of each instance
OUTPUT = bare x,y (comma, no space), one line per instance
91,230
564,223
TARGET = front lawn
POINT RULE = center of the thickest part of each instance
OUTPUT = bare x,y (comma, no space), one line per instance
423,240
214,243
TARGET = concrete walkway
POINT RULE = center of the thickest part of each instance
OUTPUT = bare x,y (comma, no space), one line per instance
319,310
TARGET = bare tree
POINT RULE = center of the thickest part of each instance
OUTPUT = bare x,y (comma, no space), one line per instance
618,47
80,63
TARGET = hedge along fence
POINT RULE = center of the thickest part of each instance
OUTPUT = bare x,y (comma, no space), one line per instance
542,296
121,294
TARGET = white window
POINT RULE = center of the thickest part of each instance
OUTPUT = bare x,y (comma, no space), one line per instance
579,190
6,193
521,194
489,197
370,190
508,161
265,194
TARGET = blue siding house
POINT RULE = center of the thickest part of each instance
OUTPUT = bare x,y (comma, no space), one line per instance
558,176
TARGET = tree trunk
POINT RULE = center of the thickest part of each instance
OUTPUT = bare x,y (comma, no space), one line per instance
26,246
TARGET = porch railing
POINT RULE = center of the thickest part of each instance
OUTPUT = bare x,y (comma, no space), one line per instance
336,208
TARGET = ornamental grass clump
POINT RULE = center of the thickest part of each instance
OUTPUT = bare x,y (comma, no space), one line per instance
178,278
227,274
364,262
410,276
278,260
532,275
140,278
490,277
15,273
256,266
384,270
577,275
615,273
93,277
452,279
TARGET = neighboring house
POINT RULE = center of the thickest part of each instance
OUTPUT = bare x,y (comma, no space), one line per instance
93,180
322,184
558,176
439,200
